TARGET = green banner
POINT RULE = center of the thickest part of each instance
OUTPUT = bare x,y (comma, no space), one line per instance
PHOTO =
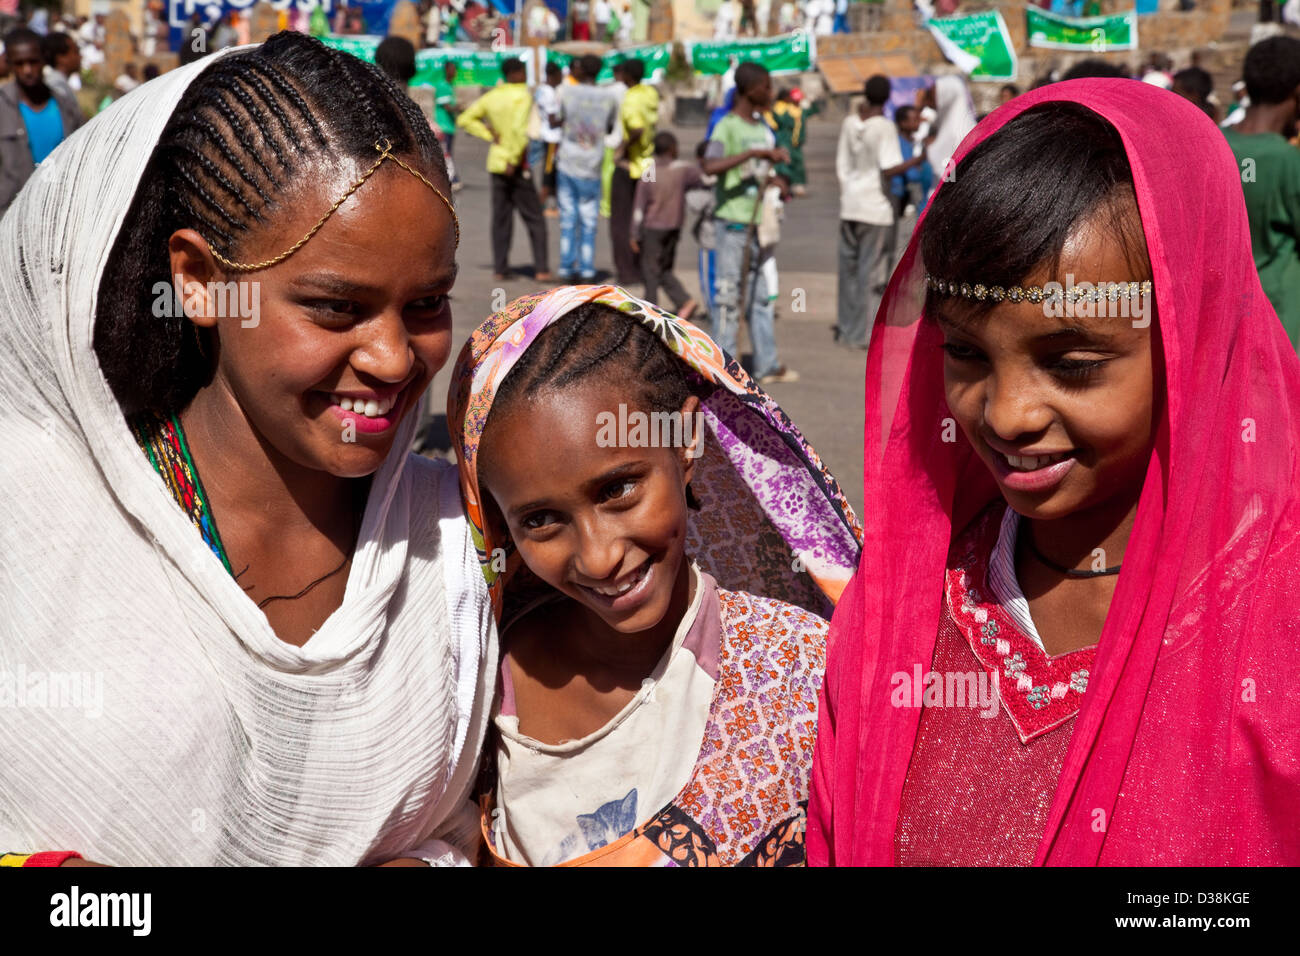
362,47
979,44
655,56
1051,31
790,53
474,67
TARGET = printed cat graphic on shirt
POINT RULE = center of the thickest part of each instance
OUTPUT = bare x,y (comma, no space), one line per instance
611,821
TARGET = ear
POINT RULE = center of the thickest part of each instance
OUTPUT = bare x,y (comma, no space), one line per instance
192,269
692,425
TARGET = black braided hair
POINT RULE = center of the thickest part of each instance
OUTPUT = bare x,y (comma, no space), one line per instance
238,139
595,342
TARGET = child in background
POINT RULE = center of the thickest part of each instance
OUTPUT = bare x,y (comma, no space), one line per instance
657,215
651,712
700,203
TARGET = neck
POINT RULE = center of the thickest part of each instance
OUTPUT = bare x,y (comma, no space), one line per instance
867,110
1267,118
37,95
634,654
1072,541
251,484
744,107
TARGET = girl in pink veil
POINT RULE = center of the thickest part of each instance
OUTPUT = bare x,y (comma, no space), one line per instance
1092,515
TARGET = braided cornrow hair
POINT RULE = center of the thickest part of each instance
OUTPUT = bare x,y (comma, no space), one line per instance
595,341
238,139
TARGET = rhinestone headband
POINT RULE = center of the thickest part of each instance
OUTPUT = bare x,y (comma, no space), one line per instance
385,149
1112,291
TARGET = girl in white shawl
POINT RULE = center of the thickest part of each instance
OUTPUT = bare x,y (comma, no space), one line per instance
238,623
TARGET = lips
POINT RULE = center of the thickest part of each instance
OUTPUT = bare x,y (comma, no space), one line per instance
370,414
1037,473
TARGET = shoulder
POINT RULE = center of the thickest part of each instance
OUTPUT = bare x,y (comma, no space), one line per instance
773,635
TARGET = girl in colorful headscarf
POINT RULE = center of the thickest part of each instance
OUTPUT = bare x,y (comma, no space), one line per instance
1073,636
661,546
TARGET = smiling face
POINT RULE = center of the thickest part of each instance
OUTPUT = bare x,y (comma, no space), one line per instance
349,329
605,526
1060,409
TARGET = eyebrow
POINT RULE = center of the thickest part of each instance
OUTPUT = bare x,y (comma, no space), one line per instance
334,284
618,471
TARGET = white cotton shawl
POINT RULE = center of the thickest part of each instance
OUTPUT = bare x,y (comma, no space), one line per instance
148,713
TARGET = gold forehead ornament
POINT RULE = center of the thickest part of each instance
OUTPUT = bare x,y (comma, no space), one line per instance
1112,291
385,149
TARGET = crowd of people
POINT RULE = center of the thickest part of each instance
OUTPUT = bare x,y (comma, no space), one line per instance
637,622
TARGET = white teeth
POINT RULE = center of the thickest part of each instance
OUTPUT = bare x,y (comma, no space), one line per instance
1034,462
615,592
369,408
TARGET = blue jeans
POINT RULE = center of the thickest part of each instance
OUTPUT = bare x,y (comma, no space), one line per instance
730,254
579,215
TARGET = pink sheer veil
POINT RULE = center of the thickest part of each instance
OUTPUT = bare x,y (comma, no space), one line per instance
1187,746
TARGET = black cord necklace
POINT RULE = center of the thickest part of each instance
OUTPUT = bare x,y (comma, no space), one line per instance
1060,569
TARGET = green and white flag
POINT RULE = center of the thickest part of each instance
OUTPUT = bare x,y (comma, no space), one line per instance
979,44
474,67
655,56
362,47
788,53
1051,31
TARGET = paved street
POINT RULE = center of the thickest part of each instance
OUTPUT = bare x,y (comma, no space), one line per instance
827,401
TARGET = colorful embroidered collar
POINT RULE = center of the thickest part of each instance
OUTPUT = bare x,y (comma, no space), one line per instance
1038,692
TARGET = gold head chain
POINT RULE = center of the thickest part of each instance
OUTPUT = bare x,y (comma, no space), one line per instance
385,149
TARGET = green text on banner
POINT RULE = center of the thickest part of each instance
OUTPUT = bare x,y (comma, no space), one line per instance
789,53
979,44
655,56
1052,31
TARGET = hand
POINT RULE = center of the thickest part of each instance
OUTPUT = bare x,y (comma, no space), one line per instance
636,246
778,155
405,861
78,861
511,169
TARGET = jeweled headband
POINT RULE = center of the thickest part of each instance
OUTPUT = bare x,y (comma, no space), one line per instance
385,149
1053,291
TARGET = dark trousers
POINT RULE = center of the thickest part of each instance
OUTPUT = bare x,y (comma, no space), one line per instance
511,193
658,252
622,193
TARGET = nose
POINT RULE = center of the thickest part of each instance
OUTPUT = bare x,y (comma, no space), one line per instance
600,550
1013,405
385,351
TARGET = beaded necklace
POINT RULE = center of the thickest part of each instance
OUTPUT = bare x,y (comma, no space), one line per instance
161,438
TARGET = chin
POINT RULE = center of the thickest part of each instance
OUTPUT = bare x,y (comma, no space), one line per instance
357,463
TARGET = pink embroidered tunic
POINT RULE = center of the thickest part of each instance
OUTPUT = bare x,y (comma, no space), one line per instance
981,781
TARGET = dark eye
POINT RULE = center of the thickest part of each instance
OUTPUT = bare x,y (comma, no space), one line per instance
618,489
432,303
962,353
537,520
1076,369
334,310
